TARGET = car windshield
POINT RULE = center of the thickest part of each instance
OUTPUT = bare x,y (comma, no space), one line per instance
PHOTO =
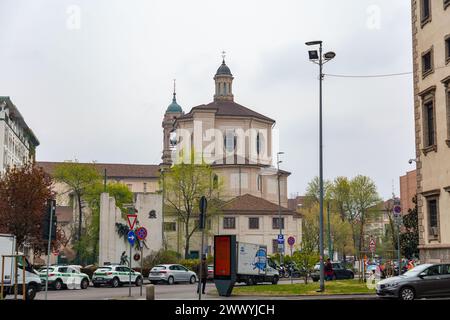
210,267
416,270
159,268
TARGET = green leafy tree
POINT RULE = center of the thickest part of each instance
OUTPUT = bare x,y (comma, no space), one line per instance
306,259
88,246
409,238
79,178
364,195
185,184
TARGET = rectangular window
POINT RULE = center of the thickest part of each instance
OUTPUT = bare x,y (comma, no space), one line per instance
448,115
429,112
253,223
447,48
170,226
433,217
229,223
425,11
276,223
274,246
145,187
427,63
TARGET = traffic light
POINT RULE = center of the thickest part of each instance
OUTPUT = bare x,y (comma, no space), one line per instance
46,223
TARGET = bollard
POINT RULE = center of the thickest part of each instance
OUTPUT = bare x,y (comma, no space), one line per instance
150,292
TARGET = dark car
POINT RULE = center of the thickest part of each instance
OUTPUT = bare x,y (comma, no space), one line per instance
424,281
340,272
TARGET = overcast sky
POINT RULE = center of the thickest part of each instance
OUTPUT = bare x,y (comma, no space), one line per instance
93,78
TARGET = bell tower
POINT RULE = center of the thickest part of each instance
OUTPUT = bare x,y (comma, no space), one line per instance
224,82
173,111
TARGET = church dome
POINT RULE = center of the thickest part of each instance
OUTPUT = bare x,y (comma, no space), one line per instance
223,69
174,106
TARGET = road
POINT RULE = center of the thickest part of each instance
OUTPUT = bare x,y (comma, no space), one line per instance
162,292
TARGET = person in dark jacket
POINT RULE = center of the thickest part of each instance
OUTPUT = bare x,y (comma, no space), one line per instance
328,270
203,266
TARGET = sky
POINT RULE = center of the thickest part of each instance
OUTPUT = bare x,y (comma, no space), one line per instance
93,78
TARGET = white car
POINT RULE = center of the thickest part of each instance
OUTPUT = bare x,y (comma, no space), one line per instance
116,275
171,273
58,276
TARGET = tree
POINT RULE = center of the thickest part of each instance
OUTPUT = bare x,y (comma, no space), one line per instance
310,228
185,185
88,245
24,192
78,177
306,259
313,190
364,195
409,238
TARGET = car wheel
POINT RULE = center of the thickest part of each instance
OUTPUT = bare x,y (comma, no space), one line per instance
57,285
192,280
352,276
275,280
31,292
249,281
407,293
115,282
315,279
138,281
97,285
170,280
84,283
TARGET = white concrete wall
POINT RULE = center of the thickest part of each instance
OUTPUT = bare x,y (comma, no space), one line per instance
111,245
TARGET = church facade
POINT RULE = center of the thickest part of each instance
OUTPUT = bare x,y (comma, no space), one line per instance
238,144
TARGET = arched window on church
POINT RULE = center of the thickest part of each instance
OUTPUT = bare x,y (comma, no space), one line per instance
215,182
259,182
229,140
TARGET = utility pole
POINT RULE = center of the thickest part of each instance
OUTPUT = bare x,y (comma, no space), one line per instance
281,246
320,59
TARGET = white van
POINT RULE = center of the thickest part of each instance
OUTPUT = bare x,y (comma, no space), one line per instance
32,280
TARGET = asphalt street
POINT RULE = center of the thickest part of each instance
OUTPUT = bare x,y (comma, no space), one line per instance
164,292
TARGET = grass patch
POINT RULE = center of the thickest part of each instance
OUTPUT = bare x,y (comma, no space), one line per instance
331,287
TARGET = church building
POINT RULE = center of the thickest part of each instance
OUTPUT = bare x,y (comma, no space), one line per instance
237,142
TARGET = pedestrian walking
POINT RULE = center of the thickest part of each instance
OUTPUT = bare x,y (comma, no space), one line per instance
203,266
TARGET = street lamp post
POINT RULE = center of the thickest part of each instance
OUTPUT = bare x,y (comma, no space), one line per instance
280,248
320,59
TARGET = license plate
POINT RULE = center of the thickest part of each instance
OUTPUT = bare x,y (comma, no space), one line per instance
99,279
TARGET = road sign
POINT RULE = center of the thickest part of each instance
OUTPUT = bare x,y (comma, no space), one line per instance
136,257
372,245
131,237
131,219
291,241
280,239
141,233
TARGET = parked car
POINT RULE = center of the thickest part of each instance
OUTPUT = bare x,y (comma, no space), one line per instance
423,281
171,273
115,275
58,276
340,272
